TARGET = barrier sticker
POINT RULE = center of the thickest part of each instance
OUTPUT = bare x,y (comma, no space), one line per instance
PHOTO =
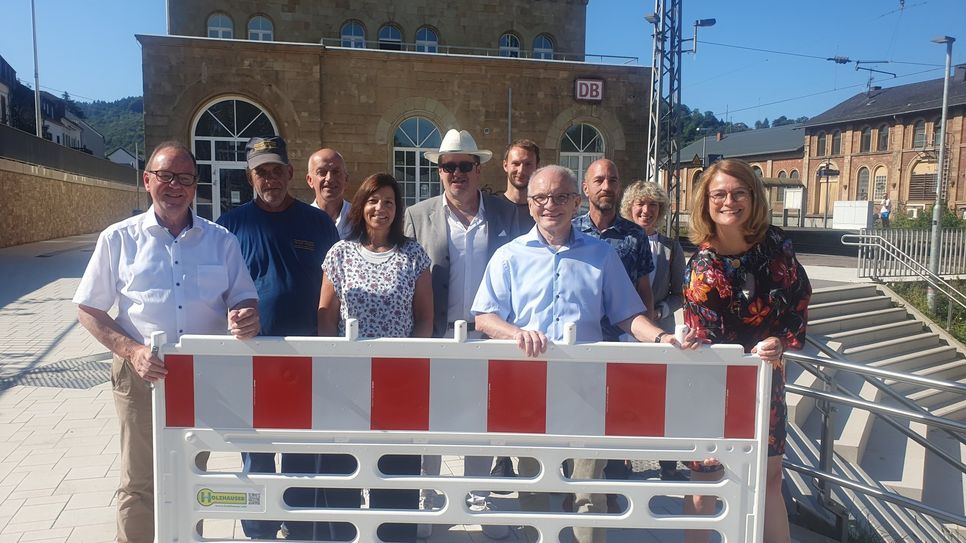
230,498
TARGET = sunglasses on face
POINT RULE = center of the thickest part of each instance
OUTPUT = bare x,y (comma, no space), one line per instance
451,167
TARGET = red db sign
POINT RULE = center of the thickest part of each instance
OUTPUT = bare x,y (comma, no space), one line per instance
589,89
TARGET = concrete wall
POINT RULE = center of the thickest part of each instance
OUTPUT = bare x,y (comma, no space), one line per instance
40,203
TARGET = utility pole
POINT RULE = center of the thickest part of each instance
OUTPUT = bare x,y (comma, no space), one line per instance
664,120
38,118
937,210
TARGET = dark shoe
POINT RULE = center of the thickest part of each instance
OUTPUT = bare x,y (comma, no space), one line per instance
503,467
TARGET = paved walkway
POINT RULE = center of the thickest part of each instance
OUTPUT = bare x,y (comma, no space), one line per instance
58,429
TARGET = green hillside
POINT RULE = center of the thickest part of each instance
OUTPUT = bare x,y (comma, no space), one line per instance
119,121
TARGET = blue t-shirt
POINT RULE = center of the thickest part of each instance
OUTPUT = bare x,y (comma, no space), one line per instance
284,252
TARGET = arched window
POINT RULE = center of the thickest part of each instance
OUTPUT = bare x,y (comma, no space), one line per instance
794,174
882,143
881,185
580,145
218,138
937,133
865,141
390,37
543,47
782,174
837,142
260,29
353,35
757,171
509,45
820,146
919,134
862,185
427,41
418,177
220,26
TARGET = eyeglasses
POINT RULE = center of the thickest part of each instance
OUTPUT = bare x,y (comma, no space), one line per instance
718,197
451,167
183,179
559,199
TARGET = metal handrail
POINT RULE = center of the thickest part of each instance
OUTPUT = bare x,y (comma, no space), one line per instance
883,495
934,280
954,428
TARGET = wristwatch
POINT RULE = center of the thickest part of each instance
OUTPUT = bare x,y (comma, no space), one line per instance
657,338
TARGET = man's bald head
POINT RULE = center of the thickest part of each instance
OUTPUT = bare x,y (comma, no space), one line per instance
328,176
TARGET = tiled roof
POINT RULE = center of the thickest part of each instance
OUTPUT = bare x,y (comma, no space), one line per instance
788,138
911,98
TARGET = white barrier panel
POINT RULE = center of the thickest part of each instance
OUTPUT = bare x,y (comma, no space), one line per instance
370,398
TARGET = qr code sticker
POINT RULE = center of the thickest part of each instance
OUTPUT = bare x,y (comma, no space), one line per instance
254,498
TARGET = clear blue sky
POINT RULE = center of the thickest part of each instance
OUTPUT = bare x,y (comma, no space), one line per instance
89,50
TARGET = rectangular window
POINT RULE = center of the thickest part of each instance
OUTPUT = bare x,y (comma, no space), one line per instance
880,187
922,187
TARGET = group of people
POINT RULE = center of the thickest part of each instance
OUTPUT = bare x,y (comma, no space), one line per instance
516,266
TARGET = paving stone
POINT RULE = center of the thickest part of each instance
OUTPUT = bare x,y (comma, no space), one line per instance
85,517
34,513
97,533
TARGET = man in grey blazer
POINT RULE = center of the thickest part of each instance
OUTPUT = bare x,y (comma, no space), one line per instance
459,230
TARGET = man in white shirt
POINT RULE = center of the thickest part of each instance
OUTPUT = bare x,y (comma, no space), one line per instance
167,270
328,176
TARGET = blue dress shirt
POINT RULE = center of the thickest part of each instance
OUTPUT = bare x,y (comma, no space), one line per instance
529,284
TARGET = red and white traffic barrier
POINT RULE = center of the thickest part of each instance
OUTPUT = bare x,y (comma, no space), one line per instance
454,397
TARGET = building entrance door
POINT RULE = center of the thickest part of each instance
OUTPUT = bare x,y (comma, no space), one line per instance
232,188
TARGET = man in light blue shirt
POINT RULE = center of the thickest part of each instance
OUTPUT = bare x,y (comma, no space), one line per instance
553,275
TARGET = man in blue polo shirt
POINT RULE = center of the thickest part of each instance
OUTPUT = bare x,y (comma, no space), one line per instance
284,242
555,274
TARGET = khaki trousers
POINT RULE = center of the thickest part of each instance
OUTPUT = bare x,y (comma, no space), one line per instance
135,495
588,469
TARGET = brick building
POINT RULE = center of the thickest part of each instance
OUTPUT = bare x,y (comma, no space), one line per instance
887,140
381,82
774,153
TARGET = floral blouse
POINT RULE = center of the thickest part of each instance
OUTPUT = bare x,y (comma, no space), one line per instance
746,298
378,294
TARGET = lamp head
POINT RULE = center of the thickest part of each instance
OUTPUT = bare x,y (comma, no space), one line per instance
943,39
705,22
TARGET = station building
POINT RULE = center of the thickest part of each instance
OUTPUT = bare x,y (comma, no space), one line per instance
382,82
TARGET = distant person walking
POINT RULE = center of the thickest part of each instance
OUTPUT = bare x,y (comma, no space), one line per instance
885,210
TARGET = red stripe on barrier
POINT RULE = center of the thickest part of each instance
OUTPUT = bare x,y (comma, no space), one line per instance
179,391
282,392
400,394
517,396
635,399
740,391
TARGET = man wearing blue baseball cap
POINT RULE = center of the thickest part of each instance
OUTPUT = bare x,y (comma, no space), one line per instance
284,242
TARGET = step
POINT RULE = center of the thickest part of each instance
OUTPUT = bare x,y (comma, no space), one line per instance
955,411
844,292
949,371
934,398
848,307
862,336
860,320
913,361
855,432
913,466
893,347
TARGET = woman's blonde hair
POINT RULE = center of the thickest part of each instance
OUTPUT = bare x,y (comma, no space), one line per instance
702,229
644,190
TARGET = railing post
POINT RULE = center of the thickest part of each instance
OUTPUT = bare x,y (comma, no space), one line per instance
826,459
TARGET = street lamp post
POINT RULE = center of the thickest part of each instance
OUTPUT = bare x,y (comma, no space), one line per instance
934,248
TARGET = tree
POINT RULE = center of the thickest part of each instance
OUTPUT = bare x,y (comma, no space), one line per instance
72,106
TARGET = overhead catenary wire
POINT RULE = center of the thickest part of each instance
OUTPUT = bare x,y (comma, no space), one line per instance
804,55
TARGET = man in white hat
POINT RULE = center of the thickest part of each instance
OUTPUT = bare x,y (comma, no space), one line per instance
459,230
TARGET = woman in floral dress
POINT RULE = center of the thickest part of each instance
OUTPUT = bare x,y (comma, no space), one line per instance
744,286
381,278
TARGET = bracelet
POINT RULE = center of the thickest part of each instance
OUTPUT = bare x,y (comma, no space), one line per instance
657,339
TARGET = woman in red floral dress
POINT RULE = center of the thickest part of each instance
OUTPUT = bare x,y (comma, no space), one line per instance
745,286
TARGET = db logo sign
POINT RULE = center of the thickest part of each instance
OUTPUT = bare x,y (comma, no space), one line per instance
589,89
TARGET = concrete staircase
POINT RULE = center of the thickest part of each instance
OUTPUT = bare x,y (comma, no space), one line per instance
867,324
